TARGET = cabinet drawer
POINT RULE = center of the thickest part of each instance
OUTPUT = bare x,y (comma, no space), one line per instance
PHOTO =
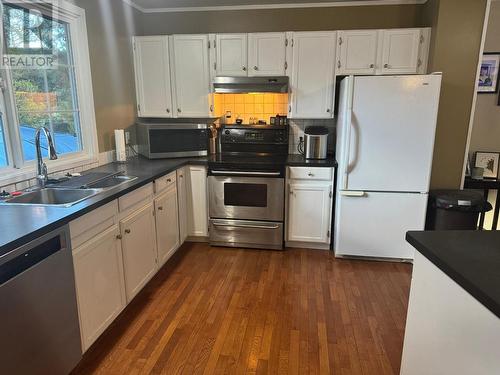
93,223
135,198
165,182
310,173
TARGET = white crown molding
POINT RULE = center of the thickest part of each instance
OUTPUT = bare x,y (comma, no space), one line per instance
134,5
274,6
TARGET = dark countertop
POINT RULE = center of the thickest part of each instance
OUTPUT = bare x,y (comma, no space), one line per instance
299,161
470,258
22,224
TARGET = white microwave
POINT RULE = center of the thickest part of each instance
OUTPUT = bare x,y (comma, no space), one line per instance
157,140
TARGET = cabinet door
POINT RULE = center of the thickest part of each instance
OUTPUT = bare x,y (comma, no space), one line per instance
356,52
400,51
309,212
266,54
167,225
231,54
152,76
182,203
99,281
190,75
197,202
313,74
139,249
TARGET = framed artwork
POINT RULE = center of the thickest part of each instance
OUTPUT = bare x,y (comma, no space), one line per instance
488,161
488,75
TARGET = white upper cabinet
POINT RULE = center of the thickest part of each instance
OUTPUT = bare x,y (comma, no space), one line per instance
152,76
400,51
357,52
190,75
266,54
313,74
231,54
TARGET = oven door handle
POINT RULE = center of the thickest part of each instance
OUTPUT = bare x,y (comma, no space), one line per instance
242,173
247,226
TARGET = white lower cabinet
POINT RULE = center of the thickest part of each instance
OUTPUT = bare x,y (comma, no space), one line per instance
120,246
139,249
182,204
167,224
99,283
309,207
197,201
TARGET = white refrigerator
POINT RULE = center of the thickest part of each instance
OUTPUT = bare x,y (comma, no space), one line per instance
385,139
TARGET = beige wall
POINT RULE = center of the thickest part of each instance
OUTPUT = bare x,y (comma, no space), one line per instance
110,25
486,127
335,18
457,29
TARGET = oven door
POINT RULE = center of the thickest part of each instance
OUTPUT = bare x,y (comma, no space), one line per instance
259,197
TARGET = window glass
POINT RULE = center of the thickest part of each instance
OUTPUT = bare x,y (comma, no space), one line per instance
43,96
3,149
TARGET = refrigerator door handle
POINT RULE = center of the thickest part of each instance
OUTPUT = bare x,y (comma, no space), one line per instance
347,132
348,193
354,136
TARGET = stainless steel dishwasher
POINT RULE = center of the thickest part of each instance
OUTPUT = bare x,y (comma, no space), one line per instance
39,329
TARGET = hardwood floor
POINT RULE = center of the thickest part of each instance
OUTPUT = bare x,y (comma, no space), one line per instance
219,310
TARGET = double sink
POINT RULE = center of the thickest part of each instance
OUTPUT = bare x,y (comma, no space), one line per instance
67,196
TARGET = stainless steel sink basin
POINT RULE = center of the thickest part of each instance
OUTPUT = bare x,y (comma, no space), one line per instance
111,182
53,197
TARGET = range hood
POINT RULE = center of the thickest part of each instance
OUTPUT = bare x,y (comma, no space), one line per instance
242,85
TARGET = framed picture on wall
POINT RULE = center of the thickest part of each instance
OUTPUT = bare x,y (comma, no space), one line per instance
488,75
489,162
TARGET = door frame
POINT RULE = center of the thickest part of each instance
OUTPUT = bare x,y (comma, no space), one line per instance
474,97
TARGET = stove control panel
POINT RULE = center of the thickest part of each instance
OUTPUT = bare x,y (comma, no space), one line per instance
254,135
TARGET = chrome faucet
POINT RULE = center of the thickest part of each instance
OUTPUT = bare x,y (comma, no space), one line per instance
42,175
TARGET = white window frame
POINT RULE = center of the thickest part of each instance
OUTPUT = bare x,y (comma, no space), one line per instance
19,170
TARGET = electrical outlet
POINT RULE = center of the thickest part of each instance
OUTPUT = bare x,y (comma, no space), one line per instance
127,138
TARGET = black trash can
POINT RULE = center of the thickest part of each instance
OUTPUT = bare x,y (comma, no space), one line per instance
455,209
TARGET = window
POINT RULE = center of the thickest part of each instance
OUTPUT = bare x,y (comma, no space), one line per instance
46,71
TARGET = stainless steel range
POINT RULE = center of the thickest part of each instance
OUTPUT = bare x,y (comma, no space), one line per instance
247,187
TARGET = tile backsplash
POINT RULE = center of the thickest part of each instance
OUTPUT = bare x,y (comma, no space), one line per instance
297,128
261,106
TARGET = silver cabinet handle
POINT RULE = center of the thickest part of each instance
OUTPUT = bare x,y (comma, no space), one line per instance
255,68
247,226
251,173
244,68
127,231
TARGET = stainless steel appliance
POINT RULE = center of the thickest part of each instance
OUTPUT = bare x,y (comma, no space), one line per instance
39,316
247,188
158,139
241,85
316,142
